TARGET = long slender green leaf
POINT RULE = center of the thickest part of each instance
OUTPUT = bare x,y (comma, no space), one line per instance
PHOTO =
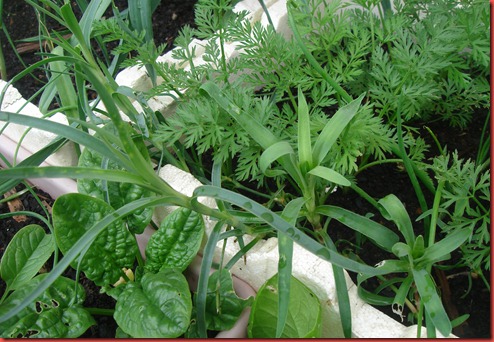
378,233
291,231
428,294
64,85
285,251
274,152
92,13
34,159
333,129
392,209
75,172
71,133
330,175
304,138
401,295
448,244
202,283
341,291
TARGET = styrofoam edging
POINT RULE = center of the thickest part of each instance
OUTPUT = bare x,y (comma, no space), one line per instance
261,263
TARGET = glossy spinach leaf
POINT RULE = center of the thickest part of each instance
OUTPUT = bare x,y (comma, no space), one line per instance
56,313
176,242
26,253
115,194
159,307
223,306
113,249
304,312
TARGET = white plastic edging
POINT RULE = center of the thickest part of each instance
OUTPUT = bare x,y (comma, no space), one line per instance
262,263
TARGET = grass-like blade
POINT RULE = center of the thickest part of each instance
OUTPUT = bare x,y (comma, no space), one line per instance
378,233
71,133
24,172
285,251
273,153
290,230
342,292
330,175
393,210
304,138
202,283
333,129
428,294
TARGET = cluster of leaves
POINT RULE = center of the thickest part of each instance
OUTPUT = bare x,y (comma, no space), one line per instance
266,61
428,59
466,205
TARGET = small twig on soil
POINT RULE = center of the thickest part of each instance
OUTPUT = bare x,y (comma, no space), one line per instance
15,204
35,46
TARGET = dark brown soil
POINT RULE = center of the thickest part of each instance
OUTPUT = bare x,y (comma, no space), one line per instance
167,20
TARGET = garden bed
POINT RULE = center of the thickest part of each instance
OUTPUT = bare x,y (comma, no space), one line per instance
474,301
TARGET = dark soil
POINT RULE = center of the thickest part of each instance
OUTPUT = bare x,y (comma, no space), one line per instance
170,16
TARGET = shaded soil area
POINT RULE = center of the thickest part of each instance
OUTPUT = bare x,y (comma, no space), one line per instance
170,16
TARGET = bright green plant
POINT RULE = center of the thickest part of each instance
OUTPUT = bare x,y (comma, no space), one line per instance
277,134
465,204
263,318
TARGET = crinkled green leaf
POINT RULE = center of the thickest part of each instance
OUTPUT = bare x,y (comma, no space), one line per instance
304,312
176,242
26,253
116,194
113,249
223,306
57,313
159,307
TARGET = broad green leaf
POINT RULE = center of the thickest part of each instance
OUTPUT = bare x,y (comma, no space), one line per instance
392,209
223,306
330,175
428,295
113,249
81,247
56,313
304,312
116,194
159,307
304,138
333,129
176,242
378,233
26,253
